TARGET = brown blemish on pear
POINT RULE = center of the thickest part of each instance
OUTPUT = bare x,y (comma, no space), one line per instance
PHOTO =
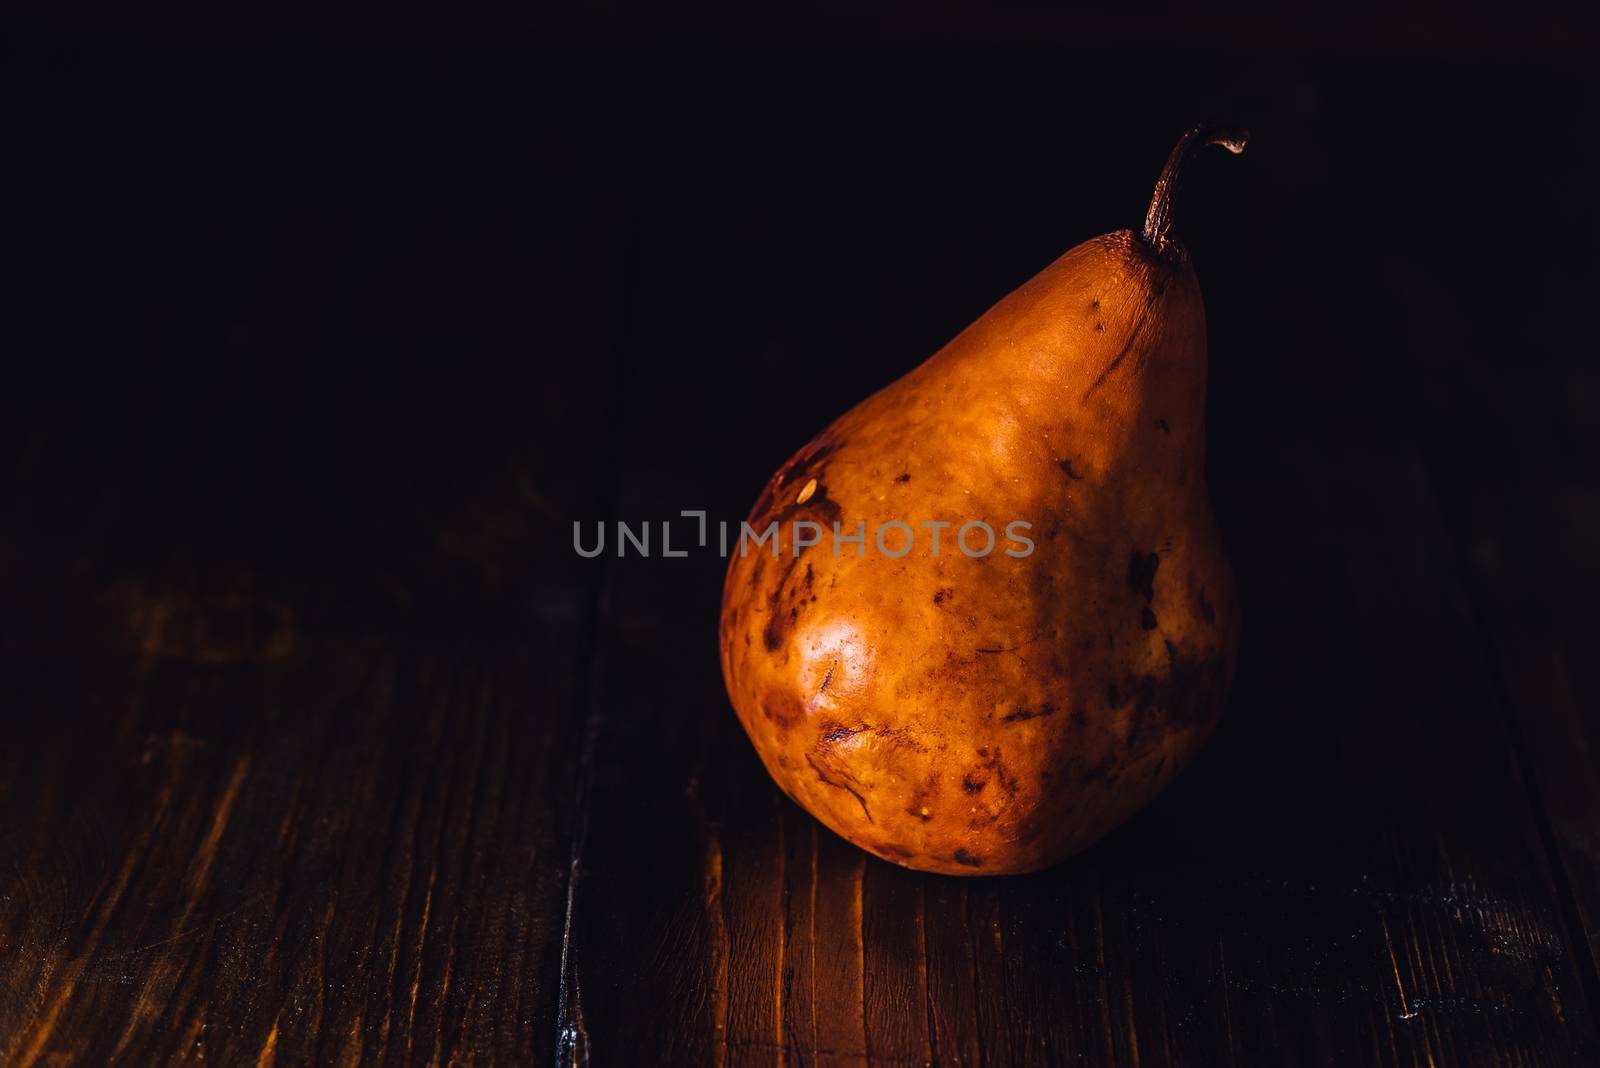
988,716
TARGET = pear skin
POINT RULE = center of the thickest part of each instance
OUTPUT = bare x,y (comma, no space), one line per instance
990,714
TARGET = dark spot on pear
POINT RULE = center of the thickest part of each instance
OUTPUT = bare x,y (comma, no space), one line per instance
923,816
833,733
822,776
905,476
773,633
1099,328
1066,465
807,459
1142,574
969,860
1186,695
941,596
994,764
1100,772
1147,618
1095,303
1028,713
819,509
973,786
807,462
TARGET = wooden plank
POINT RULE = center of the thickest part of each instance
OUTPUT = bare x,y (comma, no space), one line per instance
1520,499
292,655
894,924
303,884
1501,398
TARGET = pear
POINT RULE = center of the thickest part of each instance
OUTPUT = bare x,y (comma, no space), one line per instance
977,713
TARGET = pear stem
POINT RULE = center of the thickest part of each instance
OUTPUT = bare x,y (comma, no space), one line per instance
1158,219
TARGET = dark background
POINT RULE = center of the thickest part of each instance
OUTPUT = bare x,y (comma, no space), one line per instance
288,282
318,341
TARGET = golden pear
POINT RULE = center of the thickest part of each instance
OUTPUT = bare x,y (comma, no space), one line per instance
979,713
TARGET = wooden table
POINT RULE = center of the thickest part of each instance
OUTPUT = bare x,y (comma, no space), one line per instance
323,745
